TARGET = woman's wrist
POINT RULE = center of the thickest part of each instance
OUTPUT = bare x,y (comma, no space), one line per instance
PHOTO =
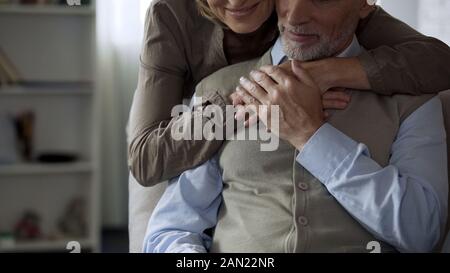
338,73
348,73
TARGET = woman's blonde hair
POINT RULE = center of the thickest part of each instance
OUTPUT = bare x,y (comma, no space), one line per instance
205,11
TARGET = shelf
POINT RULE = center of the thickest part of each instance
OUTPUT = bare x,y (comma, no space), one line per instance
43,169
45,246
46,10
47,89
57,83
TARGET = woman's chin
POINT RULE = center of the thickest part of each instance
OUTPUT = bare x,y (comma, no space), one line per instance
245,28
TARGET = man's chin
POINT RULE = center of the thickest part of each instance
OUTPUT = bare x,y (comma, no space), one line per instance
304,54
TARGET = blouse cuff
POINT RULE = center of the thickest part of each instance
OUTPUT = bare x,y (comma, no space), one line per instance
373,73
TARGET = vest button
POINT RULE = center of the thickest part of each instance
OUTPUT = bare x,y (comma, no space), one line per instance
303,221
303,186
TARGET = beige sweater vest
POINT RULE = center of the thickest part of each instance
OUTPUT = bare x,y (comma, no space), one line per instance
272,204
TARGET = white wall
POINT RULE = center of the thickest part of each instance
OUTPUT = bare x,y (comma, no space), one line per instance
405,10
431,17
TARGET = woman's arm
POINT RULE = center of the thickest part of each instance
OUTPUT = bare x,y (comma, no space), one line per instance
399,60
153,155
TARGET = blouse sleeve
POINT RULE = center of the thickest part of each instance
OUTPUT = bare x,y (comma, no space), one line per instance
399,59
153,154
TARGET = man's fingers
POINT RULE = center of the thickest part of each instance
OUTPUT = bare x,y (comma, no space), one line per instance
266,83
247,113
240,112
246,97
277,74
254,89
302,74
236,99
252,120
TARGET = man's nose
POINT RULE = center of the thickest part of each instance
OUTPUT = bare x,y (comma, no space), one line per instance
299,11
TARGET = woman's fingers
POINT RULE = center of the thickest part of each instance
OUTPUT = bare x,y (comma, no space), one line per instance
335,100
334,104
236,99
336,95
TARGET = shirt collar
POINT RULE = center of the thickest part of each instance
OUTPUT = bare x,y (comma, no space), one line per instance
278,55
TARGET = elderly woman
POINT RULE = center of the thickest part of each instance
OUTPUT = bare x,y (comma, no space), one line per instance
186,41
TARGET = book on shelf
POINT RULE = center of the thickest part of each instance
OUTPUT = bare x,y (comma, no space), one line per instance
8,71
3,77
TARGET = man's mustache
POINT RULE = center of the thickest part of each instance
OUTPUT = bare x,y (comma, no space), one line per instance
300,29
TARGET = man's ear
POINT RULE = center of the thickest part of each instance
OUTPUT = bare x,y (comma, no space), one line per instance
367,7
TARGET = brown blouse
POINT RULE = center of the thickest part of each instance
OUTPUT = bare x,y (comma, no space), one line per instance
181,48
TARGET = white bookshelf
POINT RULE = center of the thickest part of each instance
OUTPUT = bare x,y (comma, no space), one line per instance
22,169
46,10
53,48
58,89
44,246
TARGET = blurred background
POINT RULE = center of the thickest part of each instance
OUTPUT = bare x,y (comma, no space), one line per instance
68,70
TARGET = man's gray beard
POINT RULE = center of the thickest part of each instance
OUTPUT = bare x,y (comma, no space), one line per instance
326,47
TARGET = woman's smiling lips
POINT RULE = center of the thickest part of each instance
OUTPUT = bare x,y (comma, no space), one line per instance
242,12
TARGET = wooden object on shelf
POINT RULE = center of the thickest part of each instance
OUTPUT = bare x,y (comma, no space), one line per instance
8,69
3,77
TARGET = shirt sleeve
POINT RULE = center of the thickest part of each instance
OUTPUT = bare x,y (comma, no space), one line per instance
153,154
188,207
401,60
405,203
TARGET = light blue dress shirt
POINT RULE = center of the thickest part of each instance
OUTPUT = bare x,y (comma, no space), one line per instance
403,204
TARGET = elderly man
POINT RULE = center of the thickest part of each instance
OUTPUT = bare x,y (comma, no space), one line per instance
373,172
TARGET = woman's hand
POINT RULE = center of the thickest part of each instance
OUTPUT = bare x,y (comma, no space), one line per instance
332,73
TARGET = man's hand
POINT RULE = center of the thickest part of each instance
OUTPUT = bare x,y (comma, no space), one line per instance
332,98
299,99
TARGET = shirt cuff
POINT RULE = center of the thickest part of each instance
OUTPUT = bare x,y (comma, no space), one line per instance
189,250
325,152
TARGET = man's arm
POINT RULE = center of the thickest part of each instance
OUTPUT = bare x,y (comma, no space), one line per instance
405,203
188,207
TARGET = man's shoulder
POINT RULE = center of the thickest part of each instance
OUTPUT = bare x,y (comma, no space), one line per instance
408,104
225,80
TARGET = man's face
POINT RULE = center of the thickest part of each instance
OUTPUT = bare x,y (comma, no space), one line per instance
316,29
